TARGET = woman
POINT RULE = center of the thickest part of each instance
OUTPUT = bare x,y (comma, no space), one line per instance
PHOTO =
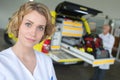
30,24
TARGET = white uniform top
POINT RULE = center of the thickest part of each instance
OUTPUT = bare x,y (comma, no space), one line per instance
108,42
11,68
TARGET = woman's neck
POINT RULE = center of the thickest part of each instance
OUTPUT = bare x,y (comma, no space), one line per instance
26,56
22,51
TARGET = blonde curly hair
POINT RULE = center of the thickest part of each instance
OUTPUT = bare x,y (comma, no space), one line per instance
16,19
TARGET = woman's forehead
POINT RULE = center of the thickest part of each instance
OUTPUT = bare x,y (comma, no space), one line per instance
35,17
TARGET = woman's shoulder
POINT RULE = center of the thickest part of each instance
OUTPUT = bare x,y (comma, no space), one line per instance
6,54
5,51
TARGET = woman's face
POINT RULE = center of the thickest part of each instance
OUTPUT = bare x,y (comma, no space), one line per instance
31,29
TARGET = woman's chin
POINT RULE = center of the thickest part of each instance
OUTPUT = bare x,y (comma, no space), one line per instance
29,45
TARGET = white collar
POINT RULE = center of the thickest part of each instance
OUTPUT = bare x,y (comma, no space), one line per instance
106,34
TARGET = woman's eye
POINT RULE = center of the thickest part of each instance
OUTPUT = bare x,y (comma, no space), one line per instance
28,24
41,28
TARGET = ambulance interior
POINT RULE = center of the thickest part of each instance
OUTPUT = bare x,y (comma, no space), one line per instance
72,22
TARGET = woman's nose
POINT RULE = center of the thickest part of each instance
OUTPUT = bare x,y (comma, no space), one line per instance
33,32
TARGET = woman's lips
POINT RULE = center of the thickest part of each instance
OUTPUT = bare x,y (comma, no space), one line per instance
30,39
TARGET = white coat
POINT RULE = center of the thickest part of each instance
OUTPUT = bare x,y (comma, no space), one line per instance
108,42
11,68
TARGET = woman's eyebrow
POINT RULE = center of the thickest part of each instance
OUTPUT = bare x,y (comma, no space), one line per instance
33,22
29,21
41,25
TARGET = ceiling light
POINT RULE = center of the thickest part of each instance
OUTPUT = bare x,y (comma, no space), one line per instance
31,0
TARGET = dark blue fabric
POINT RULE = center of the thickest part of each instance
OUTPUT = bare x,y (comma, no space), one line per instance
99,74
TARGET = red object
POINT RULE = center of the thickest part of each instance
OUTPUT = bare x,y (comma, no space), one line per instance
92,41
46,46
